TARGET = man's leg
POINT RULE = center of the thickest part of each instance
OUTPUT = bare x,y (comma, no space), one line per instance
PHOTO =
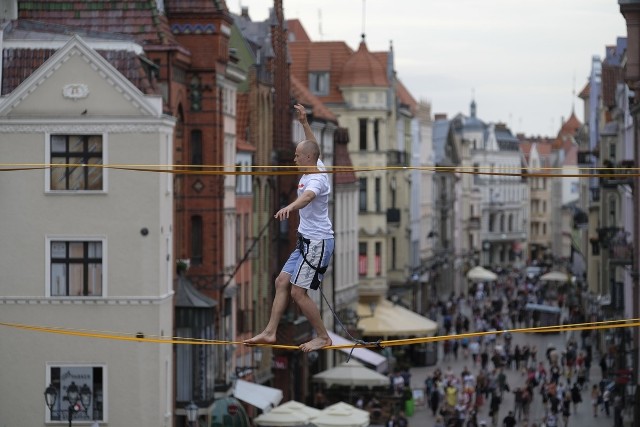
280,303
311,312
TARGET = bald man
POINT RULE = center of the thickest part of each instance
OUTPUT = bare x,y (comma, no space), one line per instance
306,265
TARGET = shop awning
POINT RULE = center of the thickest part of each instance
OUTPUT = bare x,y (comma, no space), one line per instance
555,276
362,354
262,397
390,320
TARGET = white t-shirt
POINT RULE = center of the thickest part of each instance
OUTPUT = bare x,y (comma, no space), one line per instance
314,218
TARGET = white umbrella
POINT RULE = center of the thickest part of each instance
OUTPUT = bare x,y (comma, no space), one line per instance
301,407
283,416
555,276
351,374
481,274
341,415
343,405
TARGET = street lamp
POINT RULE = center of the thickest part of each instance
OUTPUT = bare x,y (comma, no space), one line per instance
79,399
192,413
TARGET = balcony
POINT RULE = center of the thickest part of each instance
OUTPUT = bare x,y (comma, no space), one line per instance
587,158
494,237
621,174
474,223
393,216
397,158
621,253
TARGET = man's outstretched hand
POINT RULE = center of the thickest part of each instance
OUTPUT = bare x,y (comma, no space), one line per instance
302,113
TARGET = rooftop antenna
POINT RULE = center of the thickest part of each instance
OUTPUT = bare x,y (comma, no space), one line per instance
364,8
573,98
320,23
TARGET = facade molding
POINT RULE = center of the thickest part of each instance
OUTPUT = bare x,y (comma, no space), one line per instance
58,126
146,300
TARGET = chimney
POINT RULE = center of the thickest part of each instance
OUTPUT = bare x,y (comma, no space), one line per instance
440,116
245,12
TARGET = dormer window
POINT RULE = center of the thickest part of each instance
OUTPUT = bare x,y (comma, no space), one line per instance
319,82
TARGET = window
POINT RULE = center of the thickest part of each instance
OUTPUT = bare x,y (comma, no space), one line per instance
362,259
196,148
196,240
75,268
362,127
376,134
319,83
393,256
378,259
612,152
91,384
243,182
81,150
378,196
363,195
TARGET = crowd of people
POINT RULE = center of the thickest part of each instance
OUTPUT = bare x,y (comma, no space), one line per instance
557,377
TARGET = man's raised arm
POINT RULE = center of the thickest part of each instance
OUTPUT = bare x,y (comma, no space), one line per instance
302,118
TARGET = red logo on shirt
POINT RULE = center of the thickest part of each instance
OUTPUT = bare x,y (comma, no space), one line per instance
300,185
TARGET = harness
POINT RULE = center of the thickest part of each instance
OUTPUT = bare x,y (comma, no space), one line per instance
315,283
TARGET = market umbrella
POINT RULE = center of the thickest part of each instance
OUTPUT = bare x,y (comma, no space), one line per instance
283,416
351,374
481,274
301,407
341,415
555,276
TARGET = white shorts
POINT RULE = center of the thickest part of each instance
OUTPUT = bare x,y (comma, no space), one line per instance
308,262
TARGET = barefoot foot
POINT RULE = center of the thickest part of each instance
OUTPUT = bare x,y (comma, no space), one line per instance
262,338
315,344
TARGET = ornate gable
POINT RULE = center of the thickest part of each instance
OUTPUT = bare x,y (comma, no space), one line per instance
77,80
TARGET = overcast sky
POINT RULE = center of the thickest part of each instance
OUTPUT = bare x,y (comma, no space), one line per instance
521,60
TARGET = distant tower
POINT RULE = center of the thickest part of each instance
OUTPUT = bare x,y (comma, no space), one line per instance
473,108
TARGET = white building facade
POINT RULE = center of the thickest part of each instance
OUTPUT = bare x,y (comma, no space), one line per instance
85,247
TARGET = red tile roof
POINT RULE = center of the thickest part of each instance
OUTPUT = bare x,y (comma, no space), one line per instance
305,97
297,31
586,90
611,76
525,147
405,97
364,69
571,126
137,18
242,123
18,64
335,55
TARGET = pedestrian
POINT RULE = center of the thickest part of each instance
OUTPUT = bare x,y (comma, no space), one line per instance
606,398
401,420
307,263
551,420
494,407
566,409
576,397
603,366
434,400
509,420
474,348
596,398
